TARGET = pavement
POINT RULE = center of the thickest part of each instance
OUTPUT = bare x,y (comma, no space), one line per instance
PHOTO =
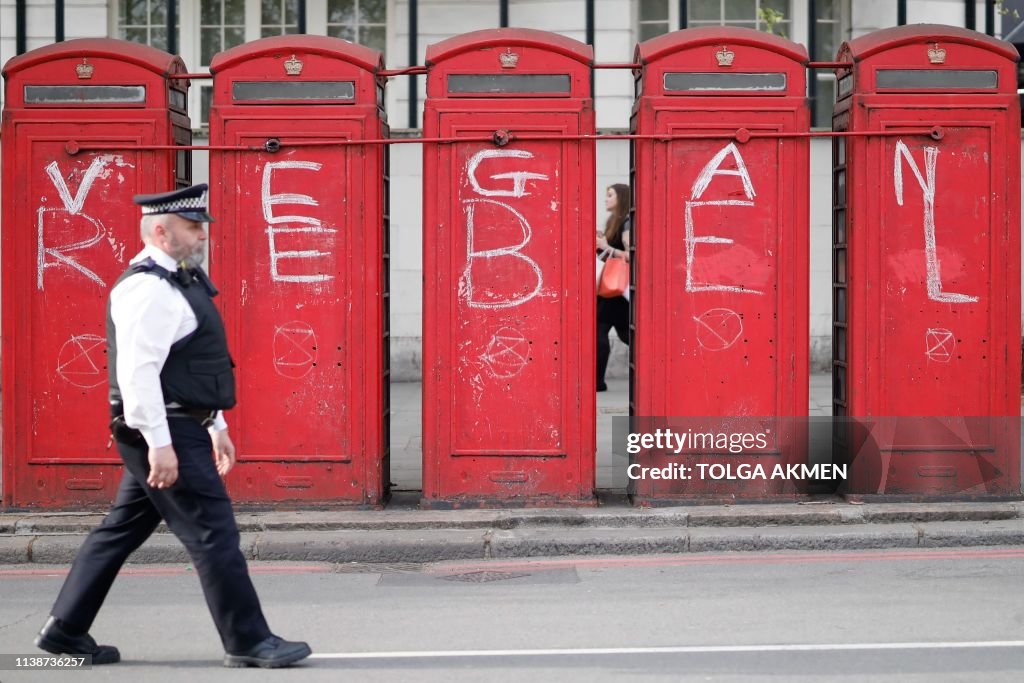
403,533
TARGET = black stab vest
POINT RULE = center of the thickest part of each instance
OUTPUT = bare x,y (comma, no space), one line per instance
199,371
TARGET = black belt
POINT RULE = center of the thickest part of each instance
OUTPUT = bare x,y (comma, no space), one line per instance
204,416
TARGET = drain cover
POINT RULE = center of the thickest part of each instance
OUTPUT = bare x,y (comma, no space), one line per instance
483,576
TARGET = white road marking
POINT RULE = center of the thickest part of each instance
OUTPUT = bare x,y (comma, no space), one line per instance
694,649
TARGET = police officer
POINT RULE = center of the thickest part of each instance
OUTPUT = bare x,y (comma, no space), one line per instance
170,378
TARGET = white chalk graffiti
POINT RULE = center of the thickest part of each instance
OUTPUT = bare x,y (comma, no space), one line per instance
295,349
927,184
270,200
73,207
507,353
700,185
518,178
718,329
486,255
939,344
81,359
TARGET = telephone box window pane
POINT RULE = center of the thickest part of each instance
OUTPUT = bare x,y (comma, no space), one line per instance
257,91
841,309
934,78
688,82
510,83
840,188
177,100
845,86
85,94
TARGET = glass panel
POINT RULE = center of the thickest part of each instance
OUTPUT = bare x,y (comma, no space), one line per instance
122,11
376,11
740,9
828,41
839,384
136,35
268,31
136,14
345,32
509,83
341,12
780,29
932,78
705,9
206,99
373,36
158,13
840,225
291,12
291,30
233,37
210,44
780,6
840,188
840,153
825,101
826,9
234,12
271,12
840,333
677,81
251,91
210,12
653,10
158,38
83,94
841,266
652,30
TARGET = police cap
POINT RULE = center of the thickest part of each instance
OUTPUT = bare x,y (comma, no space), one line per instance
189,203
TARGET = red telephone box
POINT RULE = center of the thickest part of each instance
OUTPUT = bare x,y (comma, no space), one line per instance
927,263
69,229
720,305
301,257
508,252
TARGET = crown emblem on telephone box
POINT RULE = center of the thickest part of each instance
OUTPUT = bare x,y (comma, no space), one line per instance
293,67
725,56
509,59
85,69
936,54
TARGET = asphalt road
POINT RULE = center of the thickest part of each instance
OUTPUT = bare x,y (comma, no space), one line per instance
943,615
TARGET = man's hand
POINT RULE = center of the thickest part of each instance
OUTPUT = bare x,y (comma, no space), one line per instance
163,467
223,451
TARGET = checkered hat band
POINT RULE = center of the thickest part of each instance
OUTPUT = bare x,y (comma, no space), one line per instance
190,204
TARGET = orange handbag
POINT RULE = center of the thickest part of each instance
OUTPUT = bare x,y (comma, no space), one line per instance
614,278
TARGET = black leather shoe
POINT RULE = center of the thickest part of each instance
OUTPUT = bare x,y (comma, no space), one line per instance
272,653
55,640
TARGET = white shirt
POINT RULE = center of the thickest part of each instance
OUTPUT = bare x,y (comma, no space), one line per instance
149,316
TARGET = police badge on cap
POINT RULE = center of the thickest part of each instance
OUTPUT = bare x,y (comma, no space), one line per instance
189,203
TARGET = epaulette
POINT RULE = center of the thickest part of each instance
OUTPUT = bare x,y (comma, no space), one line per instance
148,265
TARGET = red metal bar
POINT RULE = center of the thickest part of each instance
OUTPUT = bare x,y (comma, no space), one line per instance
408,71
829,65
742,135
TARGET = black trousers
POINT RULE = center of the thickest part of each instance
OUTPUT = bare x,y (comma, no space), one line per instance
611,313
198,511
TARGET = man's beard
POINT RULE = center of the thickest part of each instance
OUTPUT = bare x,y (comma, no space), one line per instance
195,258
192,258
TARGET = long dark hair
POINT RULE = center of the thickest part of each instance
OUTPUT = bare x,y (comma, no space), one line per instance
617,218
